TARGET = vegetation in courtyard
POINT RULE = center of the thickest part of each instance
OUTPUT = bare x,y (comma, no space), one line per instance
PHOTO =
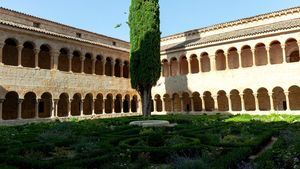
144,26
196,142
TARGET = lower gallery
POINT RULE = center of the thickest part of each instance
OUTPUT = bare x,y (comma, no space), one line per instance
54,71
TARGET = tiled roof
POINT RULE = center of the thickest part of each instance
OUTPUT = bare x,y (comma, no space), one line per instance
234,23
268,28
39,30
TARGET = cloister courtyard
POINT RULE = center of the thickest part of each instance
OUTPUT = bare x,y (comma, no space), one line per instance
201,141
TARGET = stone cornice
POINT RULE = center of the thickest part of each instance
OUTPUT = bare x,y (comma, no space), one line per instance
233,23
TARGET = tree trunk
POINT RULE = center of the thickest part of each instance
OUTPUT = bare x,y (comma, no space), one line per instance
146,101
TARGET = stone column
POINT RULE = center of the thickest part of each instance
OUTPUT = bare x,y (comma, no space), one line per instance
94,66
70,57
20,47
212,59
189,66
122,108
103,106
240,58
81,108
1,53
20,101
172,105
199,62
256,102
154,106
163,106
36,58
203,104
181,104
113,68
93,107
216,108
1,108
229,103
253,56
284,54
287,101
268,48
242,102
170,69
54,108
140,106
82,64
103,66
192,104
69,108
121,69
271,102
36,115
54,60
226,61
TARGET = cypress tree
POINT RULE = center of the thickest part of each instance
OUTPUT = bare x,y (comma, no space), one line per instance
145,66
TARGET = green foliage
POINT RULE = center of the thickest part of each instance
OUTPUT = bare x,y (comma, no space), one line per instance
196,142
144,43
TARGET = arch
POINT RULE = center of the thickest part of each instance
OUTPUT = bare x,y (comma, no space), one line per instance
28,106
76,105
44,60
197,102
233,58
126,69
246,56
292,51
134,103
235,98
184,68
109,104
166,68
260,55
76,62
45,105
186,100
108,67
63,105
279,99
158,103
63,60
10,106
205,63
174,67
88,104
276,55
220,60
294,97
88,64
249,100
168,103
126,104
99,65
10,52
28,55
118,103
117,68
194,63
222,101
208,101
263,99
99,104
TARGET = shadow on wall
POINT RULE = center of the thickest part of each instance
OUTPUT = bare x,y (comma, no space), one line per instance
3,91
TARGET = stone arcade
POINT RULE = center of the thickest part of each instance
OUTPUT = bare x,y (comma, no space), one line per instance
50,70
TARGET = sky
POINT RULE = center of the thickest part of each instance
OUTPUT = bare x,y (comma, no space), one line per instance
101,16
